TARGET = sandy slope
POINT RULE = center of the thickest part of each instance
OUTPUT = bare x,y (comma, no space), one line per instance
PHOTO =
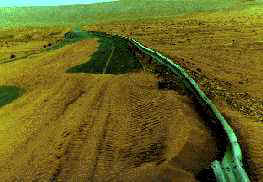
250,135
84,127
79,127
226,47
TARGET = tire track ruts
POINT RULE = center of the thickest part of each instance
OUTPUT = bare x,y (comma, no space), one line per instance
75,147
101,146
102,139
147,136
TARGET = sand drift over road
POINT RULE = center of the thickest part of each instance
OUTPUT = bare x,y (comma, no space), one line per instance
99,127
102,127
88,126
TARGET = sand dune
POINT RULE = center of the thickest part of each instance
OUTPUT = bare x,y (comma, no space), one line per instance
100,127
88,126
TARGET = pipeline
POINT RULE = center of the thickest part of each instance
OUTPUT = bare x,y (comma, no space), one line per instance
230,169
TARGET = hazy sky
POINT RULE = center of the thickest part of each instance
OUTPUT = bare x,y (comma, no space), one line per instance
21,3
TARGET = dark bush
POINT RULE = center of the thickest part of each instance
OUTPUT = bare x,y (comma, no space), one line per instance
49,44
44,46
162,85
12,56
69,35
206,175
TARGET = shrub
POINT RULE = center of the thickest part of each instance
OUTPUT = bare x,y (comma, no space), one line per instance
12,56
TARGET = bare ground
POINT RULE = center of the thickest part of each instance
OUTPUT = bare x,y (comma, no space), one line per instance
222,52
101,127
121,127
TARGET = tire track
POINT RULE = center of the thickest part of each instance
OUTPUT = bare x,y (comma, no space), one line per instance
109,162
104,145
146,133
109,59
159,129
127,123
73,156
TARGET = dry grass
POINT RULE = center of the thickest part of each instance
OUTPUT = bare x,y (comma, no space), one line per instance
226,48
85,126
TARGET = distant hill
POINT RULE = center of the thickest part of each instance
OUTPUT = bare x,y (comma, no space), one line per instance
105,12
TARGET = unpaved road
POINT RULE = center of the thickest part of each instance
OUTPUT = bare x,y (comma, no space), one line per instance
107,128
88,127
223,52
92,127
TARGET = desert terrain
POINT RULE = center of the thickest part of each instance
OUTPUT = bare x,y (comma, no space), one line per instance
122,127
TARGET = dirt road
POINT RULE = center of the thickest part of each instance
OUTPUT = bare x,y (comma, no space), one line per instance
98,128
88,127
102,127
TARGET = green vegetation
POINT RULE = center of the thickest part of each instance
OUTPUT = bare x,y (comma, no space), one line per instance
67,41
121,60
8,94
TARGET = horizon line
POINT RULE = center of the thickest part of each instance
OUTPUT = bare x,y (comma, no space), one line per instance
52,5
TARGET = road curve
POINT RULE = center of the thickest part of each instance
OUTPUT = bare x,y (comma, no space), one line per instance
110,127
97,127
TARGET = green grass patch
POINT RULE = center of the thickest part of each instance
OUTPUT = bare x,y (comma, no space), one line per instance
122,61
9,94
68,41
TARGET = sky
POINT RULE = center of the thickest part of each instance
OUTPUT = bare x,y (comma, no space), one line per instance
23,3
